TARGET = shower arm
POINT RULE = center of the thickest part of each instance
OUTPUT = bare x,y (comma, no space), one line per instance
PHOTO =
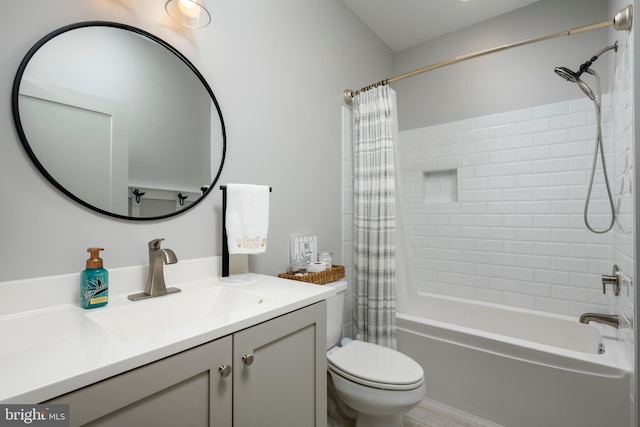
622,21
585,67
608,48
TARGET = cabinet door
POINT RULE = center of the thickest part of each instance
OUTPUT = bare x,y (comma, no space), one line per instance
185,389
285,383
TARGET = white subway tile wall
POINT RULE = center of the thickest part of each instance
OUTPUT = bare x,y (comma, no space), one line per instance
624,165
516,233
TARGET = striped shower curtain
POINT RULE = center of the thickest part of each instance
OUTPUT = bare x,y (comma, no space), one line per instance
374,216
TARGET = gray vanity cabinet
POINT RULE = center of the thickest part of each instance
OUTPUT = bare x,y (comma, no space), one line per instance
279,371
181,390
278,378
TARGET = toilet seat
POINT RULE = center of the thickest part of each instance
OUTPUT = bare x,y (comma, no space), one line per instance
376,366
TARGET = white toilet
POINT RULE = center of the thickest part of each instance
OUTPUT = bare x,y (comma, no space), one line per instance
375,383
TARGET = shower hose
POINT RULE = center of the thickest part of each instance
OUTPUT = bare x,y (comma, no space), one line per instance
598,148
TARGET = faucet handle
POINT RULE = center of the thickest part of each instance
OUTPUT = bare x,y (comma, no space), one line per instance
614,280
154,245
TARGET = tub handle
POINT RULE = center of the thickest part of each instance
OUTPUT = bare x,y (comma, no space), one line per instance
614,280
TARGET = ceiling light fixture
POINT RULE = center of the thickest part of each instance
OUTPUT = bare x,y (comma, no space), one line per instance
190,13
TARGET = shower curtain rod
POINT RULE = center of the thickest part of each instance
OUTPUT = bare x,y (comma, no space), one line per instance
621,21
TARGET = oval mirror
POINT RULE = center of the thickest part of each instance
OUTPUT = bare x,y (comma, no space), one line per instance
119,120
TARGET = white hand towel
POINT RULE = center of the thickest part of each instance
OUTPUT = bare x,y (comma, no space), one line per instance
247,218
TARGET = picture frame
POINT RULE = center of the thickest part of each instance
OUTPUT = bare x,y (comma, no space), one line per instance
305,247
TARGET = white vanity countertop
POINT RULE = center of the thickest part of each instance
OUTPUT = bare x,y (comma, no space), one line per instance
50,346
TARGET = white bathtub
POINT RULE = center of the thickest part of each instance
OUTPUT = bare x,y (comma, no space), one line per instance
517,368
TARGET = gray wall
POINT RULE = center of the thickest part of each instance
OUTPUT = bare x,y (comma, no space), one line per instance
504,81
264,60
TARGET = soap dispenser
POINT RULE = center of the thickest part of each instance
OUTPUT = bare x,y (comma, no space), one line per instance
94,282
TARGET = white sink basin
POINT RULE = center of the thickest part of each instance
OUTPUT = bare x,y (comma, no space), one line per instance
156,315
20,332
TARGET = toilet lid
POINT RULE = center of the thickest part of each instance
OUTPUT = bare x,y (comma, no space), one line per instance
376,366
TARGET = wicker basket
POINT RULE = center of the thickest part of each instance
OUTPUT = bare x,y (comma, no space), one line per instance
320,278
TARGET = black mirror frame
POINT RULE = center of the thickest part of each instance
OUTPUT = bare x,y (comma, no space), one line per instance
38,164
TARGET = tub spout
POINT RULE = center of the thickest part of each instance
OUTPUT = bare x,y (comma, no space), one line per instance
607,319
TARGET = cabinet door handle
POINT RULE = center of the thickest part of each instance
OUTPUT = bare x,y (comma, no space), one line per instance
247,359
225,370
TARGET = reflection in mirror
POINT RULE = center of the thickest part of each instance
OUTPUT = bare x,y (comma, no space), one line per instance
119,120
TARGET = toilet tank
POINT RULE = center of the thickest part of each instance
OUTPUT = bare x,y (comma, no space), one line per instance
335,309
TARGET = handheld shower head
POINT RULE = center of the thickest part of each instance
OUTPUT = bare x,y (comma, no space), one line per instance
566,74
586,89
574,77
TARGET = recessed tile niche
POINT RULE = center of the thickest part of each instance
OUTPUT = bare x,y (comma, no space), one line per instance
441,186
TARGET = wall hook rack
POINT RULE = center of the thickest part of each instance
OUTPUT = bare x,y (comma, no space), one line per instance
182,198
138,194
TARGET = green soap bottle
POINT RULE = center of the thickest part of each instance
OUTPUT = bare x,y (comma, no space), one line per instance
94,282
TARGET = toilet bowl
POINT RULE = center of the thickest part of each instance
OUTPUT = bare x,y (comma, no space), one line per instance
376,383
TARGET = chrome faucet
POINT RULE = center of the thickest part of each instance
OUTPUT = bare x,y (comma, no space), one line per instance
607,319
156,286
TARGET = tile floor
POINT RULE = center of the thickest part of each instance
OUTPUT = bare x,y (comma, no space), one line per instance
430,413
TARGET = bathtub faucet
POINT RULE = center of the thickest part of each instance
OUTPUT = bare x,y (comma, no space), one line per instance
607,319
